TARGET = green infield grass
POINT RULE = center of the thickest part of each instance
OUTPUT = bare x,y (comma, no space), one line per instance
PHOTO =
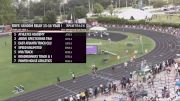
35,76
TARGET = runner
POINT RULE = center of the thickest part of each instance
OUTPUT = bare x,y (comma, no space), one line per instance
113,68
125,65
73,77
95,68
58,80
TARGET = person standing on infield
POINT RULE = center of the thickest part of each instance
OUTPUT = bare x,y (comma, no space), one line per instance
73,77
58,80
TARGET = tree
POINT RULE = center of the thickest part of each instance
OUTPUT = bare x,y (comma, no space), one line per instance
98,8
135,3
104,3
21,9
85,3
37,8
37,19
176,2
111,9
50,17
80,12
7,12
158,3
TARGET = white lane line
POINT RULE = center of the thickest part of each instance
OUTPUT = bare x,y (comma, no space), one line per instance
65,89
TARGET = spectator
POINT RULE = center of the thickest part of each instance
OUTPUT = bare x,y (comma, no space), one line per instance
101,88
123,82
110,87
95,92
71,98
178,92
130,74
128,81
163,93
87,95
145,98
114,88
78,96
156,95
141,85
106,90
66,99
59,100
82,96
91,91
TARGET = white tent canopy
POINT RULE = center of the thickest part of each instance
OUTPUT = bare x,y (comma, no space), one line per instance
98,28
137,14
105,13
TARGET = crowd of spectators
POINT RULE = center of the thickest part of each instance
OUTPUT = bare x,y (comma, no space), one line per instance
93,92
133,89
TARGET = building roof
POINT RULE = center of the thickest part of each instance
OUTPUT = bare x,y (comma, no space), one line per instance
137,14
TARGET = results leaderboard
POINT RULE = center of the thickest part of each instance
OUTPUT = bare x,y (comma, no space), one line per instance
49,43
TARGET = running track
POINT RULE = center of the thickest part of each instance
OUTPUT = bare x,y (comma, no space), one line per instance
165,49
